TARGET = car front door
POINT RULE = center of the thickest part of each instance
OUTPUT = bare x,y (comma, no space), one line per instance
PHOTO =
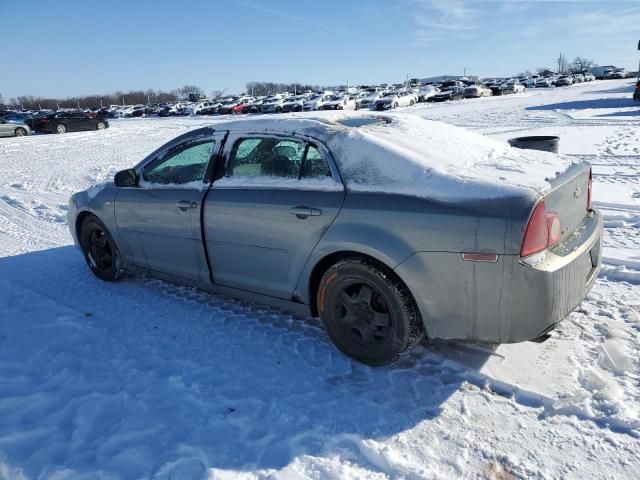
264,217
159,219
81,121
6,129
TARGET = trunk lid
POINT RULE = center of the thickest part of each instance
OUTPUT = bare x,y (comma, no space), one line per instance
568,198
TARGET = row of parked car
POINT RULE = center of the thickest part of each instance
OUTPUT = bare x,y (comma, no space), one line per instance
375,98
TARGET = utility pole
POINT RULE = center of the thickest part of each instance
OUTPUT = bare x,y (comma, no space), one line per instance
465,72
638,61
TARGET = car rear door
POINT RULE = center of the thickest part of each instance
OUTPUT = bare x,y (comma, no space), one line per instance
159,220
264,217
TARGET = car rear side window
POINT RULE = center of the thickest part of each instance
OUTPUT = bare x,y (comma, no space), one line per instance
182,165
315,166
268,156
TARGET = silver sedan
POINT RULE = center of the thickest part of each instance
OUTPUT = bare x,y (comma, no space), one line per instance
390,229
13,129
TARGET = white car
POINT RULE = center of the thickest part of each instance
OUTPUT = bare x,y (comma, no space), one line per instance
426,92
477,91
202,105
543,82
619,73
512,86
369,100
565,80
396,98
315,102
339,102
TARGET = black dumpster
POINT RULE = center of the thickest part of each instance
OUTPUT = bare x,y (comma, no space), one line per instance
545,143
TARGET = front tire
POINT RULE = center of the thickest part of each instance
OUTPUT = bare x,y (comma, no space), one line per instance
368,312
100,126
20,132
99,250
61,128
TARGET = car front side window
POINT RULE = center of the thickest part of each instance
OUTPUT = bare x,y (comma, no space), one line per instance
266,157
182,165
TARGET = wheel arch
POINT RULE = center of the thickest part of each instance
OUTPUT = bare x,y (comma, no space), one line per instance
326,262
81,217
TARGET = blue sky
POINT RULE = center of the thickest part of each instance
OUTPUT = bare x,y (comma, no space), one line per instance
68,47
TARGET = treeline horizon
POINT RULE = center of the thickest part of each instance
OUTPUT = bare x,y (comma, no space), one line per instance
135,97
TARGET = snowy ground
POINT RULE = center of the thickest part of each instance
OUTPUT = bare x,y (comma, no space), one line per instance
142,379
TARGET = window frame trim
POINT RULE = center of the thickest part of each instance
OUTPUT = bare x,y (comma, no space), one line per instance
235,135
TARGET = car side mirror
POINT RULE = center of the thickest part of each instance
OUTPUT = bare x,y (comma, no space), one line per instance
126,178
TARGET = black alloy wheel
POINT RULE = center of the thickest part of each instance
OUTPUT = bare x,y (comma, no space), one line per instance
368,312
99,250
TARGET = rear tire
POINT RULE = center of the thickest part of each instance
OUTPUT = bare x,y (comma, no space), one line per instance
61,128
20,132
368,312
100,126
99,250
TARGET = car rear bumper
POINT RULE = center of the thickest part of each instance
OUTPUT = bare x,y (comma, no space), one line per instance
507,301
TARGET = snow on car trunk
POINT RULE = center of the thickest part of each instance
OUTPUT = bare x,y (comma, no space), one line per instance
410,155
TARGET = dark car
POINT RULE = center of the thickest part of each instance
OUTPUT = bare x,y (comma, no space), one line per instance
453,93
61,122
495,89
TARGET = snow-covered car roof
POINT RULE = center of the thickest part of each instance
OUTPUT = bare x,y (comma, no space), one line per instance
406,154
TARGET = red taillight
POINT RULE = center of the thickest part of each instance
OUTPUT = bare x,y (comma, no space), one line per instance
589,188
543,230
536,236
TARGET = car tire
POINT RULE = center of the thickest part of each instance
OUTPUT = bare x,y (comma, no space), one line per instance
368,312
60,128
395,105
20,132
99,250
100,126
411,102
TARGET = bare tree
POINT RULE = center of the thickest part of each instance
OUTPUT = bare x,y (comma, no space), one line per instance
563,65
526,73
188,90
2,105
580,65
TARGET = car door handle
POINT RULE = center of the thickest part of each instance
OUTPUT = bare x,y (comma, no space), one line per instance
304,211
186,204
